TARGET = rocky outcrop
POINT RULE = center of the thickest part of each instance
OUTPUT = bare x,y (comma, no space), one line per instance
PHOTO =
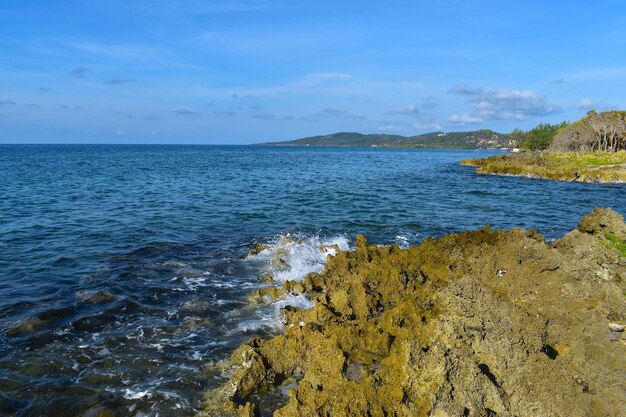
589,168
482,323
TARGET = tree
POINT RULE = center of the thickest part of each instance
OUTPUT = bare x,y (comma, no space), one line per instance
596,132
540,137
518,135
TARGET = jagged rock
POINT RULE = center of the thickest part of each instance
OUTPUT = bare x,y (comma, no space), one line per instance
432,330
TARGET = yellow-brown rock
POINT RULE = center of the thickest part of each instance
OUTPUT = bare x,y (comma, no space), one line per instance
482,323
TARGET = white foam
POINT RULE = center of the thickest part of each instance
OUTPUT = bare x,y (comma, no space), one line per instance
293,256
193,283
270,316
404,240
131,394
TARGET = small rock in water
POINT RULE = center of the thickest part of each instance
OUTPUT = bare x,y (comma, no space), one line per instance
94,297
259,247
614,327
28,325
196,306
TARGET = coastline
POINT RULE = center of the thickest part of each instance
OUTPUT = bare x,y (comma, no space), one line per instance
586,168
475,323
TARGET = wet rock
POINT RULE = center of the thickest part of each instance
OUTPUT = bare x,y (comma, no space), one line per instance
258,248
29,325
600,220
432,331
196,306
94,297
267,294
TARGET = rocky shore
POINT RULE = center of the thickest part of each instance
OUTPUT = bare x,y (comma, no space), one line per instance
602,168
481,323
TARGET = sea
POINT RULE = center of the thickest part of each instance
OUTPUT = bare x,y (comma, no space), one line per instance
125,279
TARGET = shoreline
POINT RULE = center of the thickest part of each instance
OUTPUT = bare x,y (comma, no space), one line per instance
507,322
569,167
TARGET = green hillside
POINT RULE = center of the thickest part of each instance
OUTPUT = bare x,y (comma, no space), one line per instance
474,139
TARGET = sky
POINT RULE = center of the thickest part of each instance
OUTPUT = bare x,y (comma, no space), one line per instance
247,71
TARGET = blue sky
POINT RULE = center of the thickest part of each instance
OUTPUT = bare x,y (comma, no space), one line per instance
233,72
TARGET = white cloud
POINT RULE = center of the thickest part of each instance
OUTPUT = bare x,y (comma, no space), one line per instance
404,111
391,127
588,104
427,126
502,105
464,119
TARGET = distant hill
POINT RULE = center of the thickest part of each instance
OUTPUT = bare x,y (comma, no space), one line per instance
486,139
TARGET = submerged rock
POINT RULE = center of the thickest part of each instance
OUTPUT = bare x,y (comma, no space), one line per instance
93,297
432,331
28,325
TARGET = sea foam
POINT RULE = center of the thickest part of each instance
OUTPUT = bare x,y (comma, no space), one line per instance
293,256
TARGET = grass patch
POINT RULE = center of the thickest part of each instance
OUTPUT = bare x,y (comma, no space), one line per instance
616,243
590,167
587,160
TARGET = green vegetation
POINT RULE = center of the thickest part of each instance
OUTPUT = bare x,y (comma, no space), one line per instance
540,137
585,160
616,243
596,132
556,166
592,149
474,139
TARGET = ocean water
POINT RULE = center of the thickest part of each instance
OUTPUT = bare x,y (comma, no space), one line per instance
123,269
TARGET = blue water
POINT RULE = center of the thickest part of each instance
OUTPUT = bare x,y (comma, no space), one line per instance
162,233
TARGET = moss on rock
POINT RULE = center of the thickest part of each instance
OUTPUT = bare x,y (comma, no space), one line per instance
472,324
601,168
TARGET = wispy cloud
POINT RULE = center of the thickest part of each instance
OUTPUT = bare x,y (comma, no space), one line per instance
411,110
115,51
263,116
79,72
465,90
430,103
187,112
464,119
44,89
390,127
224,113
598,74
427,126
7,103
116,81
588,104
321,77
330,113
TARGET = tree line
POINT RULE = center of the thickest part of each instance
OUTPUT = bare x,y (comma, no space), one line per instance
596,132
